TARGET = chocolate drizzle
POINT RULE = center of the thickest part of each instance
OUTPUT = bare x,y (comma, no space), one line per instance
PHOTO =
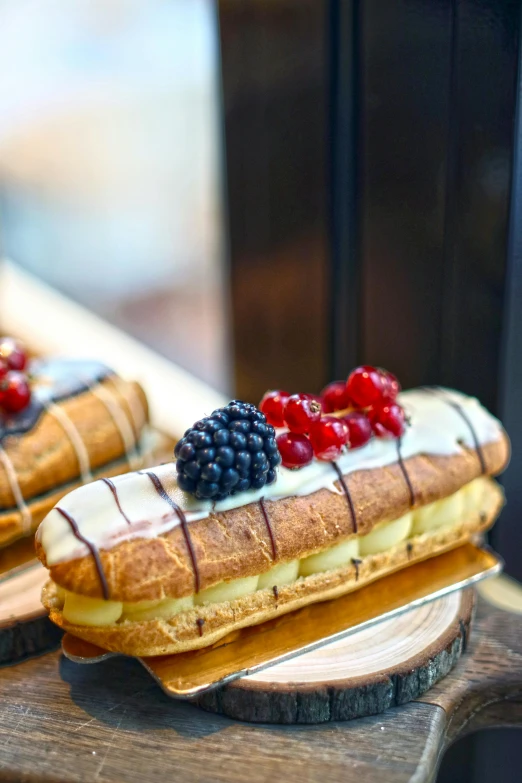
347,494
200,623
114,491
356,563
268,527
405,473
478,447
438,392
91,547
162,492
52,380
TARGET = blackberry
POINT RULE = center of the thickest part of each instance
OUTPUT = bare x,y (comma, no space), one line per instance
230,451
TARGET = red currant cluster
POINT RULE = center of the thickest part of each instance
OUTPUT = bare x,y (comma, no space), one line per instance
15,394
345,415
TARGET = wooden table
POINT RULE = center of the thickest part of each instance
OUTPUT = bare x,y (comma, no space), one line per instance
110,722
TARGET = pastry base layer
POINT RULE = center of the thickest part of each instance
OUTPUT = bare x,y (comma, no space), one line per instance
206,625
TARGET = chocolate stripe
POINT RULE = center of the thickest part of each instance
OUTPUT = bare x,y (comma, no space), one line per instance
356,563
162,492
269,528
90,546
405,474
114,491
438,392
348,496
478,447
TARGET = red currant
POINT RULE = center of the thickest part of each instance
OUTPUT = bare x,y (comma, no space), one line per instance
387,419
295,450
335,397
272,405
359,428
12,353
328,436
15,393
364,386
301,411
391,386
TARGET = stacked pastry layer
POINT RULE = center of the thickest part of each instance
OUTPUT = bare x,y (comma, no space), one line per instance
84,422
146,570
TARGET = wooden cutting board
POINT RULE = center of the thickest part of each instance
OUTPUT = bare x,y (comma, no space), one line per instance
111,723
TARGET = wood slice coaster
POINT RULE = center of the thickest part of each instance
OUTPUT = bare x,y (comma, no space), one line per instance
25,629
383,666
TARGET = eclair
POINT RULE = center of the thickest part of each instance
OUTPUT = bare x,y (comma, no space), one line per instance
176,557
63,423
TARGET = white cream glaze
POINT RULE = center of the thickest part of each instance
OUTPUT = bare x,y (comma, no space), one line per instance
436,428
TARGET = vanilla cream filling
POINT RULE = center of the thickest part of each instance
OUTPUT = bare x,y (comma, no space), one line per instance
447,512
436,428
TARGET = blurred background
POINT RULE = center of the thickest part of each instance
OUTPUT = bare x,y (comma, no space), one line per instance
269,193
109,165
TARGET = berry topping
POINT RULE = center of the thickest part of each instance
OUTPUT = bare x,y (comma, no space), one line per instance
365,386
12,353
15,394
387,420
296,450
335,397
301,411
359,428
391,386
328,436
272,405
230,451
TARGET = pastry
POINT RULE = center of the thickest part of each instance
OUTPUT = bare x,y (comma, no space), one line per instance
176,557
63,423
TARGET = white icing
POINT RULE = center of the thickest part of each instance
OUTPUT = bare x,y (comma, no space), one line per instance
27,517
68,426
121,420
436,428
137,411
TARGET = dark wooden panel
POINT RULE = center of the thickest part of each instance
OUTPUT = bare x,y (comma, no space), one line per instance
507,534
480,132
345,41
406,64
275,80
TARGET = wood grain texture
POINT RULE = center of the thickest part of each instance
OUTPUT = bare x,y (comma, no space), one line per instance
111,723
25,629
365,674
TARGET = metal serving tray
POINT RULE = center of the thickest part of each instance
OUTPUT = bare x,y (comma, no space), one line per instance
188,675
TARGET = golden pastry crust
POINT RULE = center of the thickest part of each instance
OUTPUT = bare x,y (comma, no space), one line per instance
182,632
236,543
45,460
